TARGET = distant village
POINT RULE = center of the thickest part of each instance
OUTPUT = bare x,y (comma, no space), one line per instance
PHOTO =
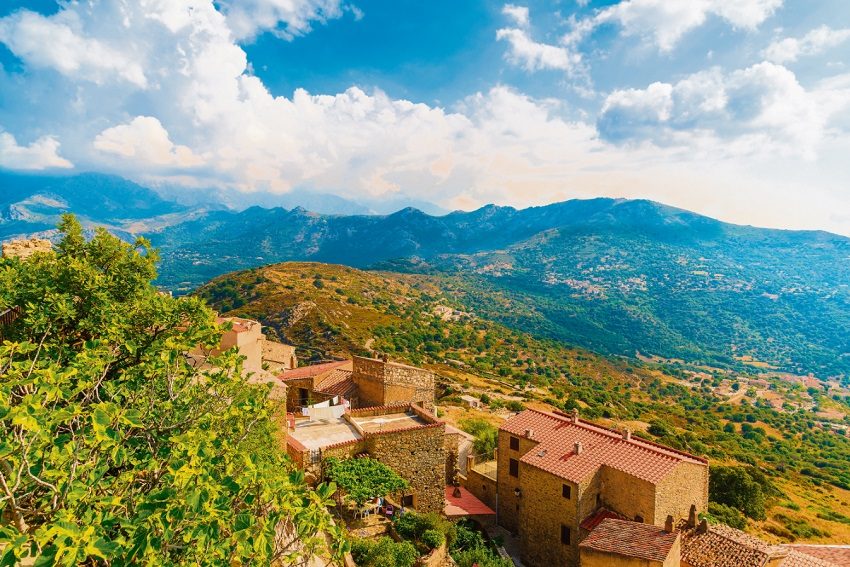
560,490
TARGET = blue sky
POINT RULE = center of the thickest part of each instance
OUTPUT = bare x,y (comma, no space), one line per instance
739,110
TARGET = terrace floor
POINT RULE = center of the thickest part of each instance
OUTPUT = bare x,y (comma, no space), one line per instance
321,433
389,422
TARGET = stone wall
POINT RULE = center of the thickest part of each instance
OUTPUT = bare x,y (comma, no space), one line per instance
593,558
628,495
383,383
685,486
542,511
508,510
482,487
418,455
23,249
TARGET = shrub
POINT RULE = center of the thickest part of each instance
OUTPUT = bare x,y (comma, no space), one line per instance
433,538
723,514
383,553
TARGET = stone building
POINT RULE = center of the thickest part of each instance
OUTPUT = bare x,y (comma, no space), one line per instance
622,543
363,382
559,476
408,439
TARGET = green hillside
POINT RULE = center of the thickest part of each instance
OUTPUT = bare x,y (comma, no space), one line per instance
334,310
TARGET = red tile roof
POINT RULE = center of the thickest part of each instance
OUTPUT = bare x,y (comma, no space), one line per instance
464,505
597,517
631,539
556,436
311,371
337,383
722,546
818,555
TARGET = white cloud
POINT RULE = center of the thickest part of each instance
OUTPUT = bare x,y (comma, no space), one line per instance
533,55
665,21
286,18
146,142
41,154
58,43
519,14
816,41
762,108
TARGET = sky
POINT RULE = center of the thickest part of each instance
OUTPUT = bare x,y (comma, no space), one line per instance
738,110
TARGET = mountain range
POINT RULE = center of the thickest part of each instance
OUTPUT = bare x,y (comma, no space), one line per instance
625,277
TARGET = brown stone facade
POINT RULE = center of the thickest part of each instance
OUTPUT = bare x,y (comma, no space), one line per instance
417,454
383,383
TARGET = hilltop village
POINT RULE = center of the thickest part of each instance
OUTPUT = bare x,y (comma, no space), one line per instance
559,490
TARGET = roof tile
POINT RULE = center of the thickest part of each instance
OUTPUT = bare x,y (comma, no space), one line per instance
631,539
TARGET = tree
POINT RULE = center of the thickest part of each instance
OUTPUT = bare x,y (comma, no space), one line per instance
737,488
486,435
114,447
363,478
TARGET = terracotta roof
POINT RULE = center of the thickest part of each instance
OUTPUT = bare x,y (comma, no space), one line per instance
311,371
722,546
557,435
337,383
597,517
631,539
464,505
818,555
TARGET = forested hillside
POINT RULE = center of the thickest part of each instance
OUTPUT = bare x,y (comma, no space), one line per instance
329,310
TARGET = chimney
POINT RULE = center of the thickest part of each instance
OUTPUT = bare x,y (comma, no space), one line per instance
575,415
627,434
703,527
578,448
528,433
692,517
668,525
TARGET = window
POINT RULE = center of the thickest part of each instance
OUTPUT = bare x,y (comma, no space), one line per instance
514,443
566,491
513,468
639,519
565,535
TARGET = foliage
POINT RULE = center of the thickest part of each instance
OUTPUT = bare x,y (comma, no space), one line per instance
723,514
426,531
114,448
363,478
383,553
737,488
469,548
486,434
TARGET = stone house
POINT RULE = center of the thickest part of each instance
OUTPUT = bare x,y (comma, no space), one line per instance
408,439
364,382
559,477
622,543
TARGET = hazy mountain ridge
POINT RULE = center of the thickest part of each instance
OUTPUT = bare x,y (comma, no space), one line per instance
618,276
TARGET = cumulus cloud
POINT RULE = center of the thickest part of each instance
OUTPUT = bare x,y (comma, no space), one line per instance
818,40
519,14
286,18
59,43
146,142
43,153
762,108
532,55
664,22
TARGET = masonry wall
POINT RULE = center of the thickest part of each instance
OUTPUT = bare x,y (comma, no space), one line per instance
482,487
628,495
593,558
384,383
542,512
509,504
686,485
419,456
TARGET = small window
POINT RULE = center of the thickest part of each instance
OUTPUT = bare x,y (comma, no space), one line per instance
639,519
566,491
565,534
514,443
513,468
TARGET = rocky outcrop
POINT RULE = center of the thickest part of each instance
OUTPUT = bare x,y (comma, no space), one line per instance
23,248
